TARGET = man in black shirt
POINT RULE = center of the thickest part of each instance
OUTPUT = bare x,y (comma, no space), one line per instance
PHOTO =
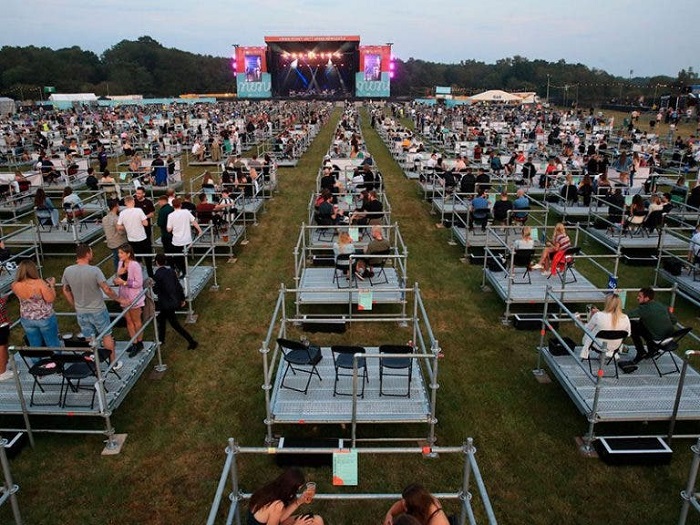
149,210
501,209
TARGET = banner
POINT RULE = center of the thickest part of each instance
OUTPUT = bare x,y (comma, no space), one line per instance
254,89
371,88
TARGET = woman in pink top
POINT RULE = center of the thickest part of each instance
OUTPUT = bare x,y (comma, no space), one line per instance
130,281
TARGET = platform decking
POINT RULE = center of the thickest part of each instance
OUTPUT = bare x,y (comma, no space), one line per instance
577,212
317,287
319,405
686,284
117,389
639,396
83,233
581,291
639,241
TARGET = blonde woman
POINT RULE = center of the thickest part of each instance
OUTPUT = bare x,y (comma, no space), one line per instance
611,318
560,241
344,246
526,242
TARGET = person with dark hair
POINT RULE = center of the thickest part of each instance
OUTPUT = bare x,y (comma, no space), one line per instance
114,237
91,180
171,296
165,209
417,502
45,211
179,224
129,278
83,288
133,221
651,321
276,502
501,208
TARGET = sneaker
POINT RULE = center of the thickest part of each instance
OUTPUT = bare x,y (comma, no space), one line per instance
7,374
193,345
537,266
118,365
359,275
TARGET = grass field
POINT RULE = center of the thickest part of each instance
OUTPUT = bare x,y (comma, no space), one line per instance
178,425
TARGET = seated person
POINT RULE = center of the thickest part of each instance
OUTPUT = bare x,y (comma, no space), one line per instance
694,248
616,207
637,212
371,211
420,504
520,206
569,191
526,242
109,185
467,183
207,211
560,241
611,318
483,180
276,502
651,321
46,214
72,204
378,245
344,246
91,181
501,208
328,213
480,210
585,189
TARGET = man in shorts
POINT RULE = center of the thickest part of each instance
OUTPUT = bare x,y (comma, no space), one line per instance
83,285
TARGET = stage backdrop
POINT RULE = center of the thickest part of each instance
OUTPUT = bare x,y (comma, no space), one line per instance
372,80
252,78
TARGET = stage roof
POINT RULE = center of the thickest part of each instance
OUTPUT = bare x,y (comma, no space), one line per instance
333,38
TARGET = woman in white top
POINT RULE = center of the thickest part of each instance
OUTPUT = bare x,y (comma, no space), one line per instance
611,318
526,242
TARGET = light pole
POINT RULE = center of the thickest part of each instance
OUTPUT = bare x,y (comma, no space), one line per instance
547,90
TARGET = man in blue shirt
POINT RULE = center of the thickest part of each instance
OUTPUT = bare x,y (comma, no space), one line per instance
479,211
520,206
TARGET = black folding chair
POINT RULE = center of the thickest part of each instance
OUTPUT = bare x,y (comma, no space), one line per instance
607,337
668,346
300,358
395,366
343,359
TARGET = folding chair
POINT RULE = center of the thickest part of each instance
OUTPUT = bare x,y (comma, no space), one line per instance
610,338
326,229
376,265
300,358
563,264
74,214
395,365
343,271
523,259
343,359
45,366
668,346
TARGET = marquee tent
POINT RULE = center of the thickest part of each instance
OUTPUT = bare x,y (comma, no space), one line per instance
495,95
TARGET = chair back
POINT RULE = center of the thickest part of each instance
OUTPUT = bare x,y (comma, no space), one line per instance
396,362
523,257
610,336
342,260
294,349
346,354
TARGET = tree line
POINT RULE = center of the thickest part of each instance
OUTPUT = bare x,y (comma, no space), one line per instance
146,67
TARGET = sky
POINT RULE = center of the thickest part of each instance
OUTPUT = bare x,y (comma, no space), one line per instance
647,37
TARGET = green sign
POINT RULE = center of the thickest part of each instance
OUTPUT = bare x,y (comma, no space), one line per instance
49,89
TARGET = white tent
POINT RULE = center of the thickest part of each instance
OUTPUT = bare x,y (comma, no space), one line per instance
7,105
495,95
73,97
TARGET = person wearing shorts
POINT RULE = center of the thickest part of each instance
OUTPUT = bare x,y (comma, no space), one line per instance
83,285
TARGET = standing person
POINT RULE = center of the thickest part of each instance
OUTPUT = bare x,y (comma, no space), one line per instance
180,223
134,221
114,237
170,297
419,503
651,321
149,210
83,286
5,373
276,502
162,222
36,297
102,158
130,281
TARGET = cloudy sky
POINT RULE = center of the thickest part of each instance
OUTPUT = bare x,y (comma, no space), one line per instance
646,36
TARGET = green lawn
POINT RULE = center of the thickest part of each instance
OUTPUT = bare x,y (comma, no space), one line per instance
178,425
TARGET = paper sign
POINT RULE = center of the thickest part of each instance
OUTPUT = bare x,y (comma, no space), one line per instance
345,467
348,200
364,299
623,299
354,233
122,175
628,200
492,200
534,233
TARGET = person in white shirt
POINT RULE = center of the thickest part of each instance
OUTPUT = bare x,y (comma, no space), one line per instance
133,221
611,318
180,223
694,251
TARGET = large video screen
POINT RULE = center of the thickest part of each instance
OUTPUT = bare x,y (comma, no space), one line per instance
373,67
253,68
